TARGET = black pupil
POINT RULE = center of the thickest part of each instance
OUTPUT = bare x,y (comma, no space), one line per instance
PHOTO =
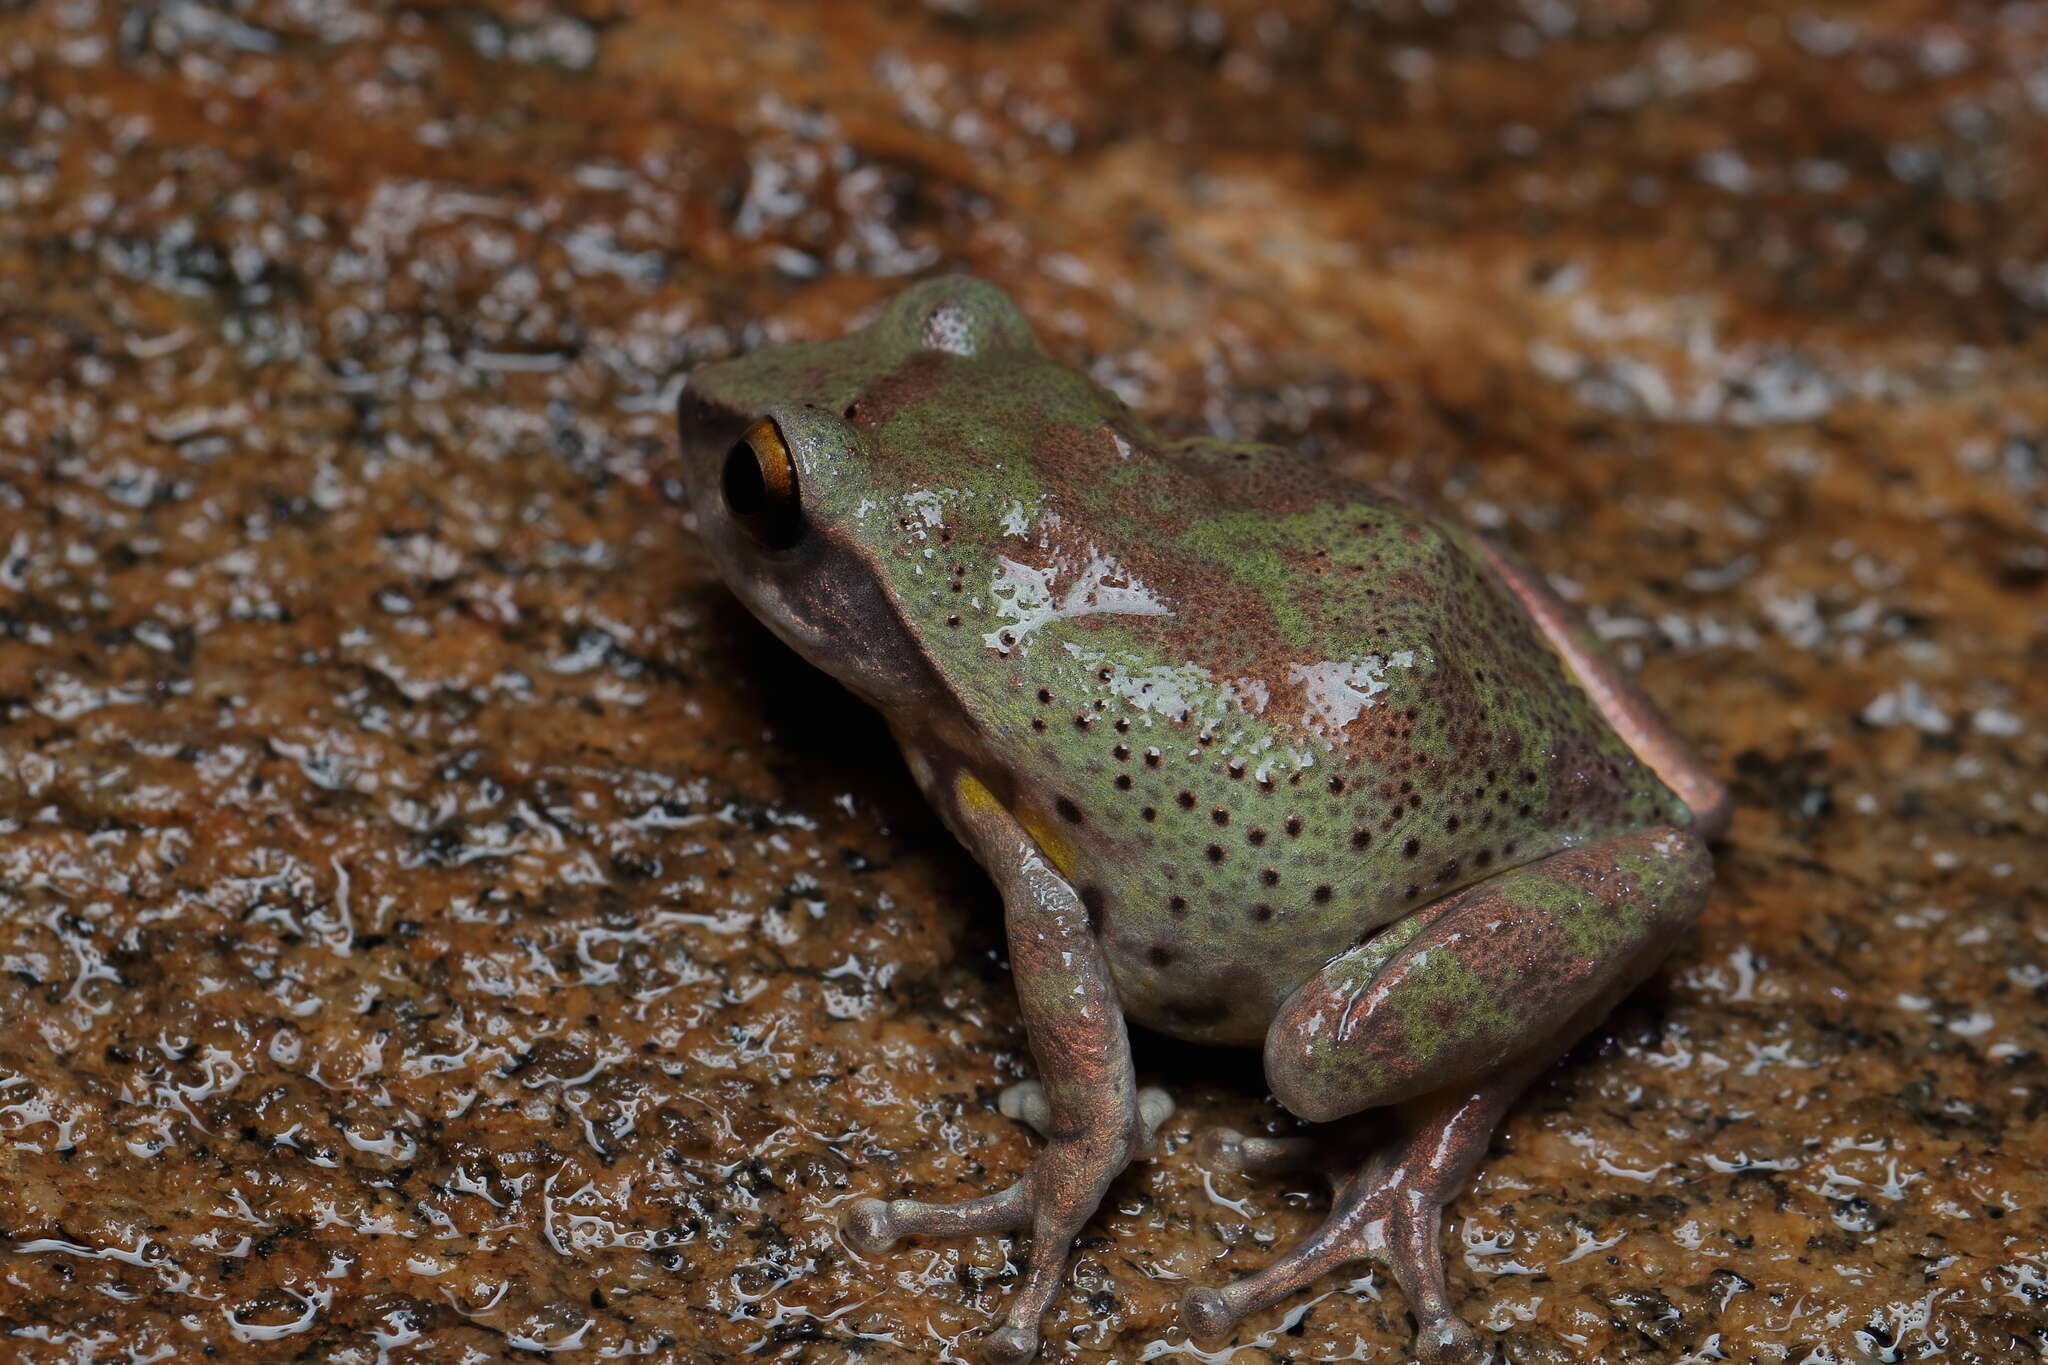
770,516
745,491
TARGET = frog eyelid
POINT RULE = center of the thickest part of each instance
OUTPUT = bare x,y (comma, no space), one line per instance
759,483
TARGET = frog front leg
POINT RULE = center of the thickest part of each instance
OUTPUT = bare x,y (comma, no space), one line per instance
1086,1103
1448,1015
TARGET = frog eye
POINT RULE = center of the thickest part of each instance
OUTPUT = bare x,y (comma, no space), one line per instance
760,486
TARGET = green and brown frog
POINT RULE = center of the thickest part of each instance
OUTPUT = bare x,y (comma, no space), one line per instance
1256,756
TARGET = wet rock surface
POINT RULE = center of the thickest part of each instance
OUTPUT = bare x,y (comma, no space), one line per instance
435,921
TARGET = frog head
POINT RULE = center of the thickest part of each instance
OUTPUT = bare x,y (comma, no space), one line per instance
804,464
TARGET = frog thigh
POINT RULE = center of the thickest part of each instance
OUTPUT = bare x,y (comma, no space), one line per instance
1485,975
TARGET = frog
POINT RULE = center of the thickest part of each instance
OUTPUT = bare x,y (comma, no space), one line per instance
1256,755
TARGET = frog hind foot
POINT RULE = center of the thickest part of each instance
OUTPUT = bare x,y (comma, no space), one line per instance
1389,1210
1447,1018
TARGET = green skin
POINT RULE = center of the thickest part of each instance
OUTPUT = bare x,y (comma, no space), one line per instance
1255,755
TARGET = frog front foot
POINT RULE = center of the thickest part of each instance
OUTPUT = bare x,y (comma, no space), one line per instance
1057,1195
1026,1103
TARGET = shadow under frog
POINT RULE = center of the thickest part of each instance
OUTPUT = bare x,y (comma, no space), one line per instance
1254,755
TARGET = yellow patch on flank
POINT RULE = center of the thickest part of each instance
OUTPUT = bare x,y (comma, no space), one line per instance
977,799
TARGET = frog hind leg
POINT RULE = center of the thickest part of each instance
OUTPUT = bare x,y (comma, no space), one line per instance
1448,1016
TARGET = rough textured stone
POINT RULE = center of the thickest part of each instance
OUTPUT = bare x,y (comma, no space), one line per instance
434,920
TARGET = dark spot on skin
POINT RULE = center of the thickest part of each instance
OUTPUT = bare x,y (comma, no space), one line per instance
1337,785
1069,812
1236,769
1265,784
1159,955
1045,696
1412,847
1220,816
1123,725
1322,893
1483,858
1269,876
1262,913
1215,852
1038,723
1151,758
1448,872
1122,752
1103,674
953,621
1293,826
1123,782
1450,824
1148,814
1413,891
1361,838
1091,899
1083,721
1255,836
1507,850
1177,904
1186,800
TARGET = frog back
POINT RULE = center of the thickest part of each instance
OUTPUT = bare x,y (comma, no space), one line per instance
1256,712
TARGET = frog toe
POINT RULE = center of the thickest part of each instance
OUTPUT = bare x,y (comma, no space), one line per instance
1025,1102
1155,1107
868,1228
1011,1344
1226,1149
1447,1341
872,1226
1208,1316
